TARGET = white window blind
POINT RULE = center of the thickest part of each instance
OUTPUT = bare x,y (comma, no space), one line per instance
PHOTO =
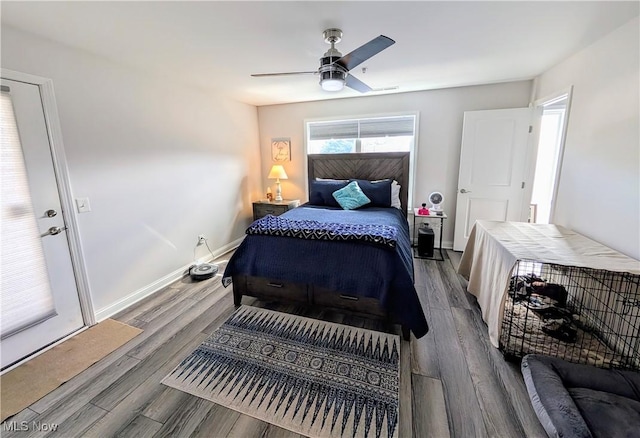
334,129
387,127
25,294
362,128
367,134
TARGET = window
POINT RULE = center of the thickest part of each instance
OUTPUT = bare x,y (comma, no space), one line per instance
392,133
375,134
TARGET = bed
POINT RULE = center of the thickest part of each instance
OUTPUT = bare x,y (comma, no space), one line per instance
369,278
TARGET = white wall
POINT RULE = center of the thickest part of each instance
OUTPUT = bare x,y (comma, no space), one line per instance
599,189
161,162
439,133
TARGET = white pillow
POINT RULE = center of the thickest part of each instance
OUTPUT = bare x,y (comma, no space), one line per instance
395,195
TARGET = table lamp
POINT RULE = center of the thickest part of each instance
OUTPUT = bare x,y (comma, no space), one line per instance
277,173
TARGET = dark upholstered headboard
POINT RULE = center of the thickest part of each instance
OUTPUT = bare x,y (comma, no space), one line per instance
369,166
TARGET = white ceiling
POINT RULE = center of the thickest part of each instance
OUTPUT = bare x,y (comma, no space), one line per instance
217,45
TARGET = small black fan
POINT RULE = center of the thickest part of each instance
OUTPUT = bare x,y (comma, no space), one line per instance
334,68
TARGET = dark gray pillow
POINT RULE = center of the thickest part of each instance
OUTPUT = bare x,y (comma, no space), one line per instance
607,415
321,192
379,192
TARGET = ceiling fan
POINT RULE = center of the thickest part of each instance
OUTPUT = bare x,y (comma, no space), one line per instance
334,68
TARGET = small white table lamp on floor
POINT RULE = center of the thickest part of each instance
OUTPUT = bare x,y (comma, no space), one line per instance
278,173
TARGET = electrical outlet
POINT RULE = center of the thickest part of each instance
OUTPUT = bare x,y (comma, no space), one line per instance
201,239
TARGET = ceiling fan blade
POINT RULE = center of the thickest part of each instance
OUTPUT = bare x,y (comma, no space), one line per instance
357,84
259,75
364,52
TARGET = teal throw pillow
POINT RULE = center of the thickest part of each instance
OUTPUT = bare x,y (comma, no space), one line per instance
351,196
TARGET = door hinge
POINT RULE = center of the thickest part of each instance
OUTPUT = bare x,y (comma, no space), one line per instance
522,187
530,129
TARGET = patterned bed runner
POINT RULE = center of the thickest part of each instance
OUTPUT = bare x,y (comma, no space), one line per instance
383,236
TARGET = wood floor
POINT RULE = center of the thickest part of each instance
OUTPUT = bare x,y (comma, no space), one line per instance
453,383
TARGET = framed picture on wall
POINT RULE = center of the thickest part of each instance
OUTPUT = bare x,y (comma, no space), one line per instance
281,149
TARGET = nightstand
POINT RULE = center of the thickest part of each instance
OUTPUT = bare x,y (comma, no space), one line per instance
432,215
263,208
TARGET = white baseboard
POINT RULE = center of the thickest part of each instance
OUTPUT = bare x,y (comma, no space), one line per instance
159,284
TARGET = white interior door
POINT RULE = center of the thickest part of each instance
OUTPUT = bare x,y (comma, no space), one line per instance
39,296
491,182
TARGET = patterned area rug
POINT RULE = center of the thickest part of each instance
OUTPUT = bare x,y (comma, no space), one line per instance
312,377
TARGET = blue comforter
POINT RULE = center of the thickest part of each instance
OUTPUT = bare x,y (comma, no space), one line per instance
351,267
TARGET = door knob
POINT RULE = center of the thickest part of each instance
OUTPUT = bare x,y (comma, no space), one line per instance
51,213
465,191
54,230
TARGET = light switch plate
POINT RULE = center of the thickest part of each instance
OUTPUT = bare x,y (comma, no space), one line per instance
83,205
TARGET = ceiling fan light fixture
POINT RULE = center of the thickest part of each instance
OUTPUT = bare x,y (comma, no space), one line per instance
332,77
332,84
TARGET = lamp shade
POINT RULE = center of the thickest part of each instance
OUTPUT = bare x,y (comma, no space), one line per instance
277,172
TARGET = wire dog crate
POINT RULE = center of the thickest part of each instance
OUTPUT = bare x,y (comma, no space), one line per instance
581,315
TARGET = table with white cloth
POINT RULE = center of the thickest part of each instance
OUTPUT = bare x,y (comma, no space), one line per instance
494,249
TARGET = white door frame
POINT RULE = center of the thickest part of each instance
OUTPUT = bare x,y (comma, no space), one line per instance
64,187
537,119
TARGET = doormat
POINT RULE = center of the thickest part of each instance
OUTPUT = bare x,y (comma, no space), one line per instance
312,377
36,378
